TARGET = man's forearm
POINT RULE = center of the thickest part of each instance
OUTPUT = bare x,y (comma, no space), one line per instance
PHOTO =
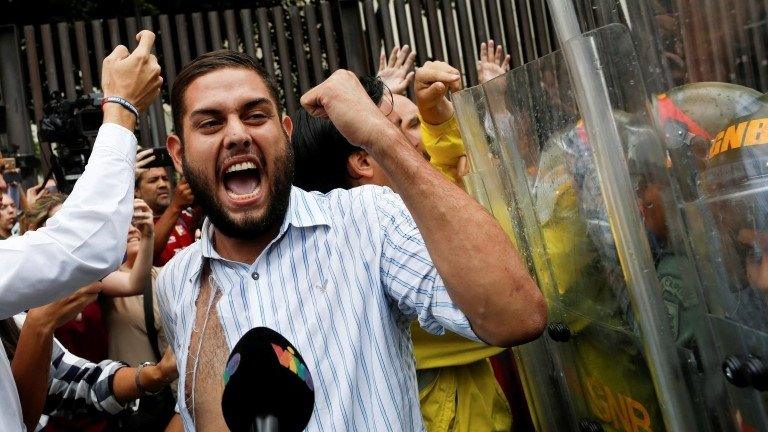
30,367
85,240
484,274
164,227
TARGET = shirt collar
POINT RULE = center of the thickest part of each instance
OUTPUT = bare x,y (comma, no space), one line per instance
304,211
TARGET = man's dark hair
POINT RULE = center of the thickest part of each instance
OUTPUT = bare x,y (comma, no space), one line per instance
207,63
321,152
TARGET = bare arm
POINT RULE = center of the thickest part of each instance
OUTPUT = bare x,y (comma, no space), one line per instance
152,378
482,271
32,360
30,370
175,425
139,279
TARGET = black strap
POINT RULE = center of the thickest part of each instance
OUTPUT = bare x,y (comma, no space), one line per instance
149,321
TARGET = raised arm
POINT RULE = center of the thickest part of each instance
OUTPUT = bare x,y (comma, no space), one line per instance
32,358
85,240
484,275
139,279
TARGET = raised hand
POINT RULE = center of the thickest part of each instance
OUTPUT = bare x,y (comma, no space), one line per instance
343,100
143,157
492,62
433,80
34,193
133,76
143,218
182,195
397,73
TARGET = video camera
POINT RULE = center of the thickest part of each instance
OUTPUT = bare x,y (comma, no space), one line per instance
72,125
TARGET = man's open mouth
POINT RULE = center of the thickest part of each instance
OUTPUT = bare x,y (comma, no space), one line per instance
242,181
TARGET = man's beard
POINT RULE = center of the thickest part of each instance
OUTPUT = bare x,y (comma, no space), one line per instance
248,227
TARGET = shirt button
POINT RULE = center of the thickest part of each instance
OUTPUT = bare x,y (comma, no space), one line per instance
255,275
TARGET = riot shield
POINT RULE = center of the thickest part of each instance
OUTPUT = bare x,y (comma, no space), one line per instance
701,63
600,231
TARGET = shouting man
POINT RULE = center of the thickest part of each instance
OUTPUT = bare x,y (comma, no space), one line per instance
340,275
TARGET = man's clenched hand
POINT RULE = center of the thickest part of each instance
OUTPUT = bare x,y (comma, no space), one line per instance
343,100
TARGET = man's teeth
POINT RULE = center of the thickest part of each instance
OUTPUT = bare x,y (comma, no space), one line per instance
241,167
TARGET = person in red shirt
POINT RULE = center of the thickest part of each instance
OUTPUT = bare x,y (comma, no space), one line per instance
175,219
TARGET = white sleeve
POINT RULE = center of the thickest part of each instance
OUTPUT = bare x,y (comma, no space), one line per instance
84,241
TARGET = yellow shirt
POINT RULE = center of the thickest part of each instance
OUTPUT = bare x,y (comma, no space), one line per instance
465,395
444,144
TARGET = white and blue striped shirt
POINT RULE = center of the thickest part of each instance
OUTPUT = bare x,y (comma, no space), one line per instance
346,274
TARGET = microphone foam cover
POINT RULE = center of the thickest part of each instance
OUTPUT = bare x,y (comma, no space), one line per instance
266,375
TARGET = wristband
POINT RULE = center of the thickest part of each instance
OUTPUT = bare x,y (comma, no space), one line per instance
123,103
141,388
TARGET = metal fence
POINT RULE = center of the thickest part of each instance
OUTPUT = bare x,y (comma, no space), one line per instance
299,44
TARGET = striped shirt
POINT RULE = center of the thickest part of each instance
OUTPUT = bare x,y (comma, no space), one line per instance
342,280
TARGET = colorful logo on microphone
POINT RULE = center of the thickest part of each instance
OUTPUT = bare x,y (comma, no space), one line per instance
232,365
287,358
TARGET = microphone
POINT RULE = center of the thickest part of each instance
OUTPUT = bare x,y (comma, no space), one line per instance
267,386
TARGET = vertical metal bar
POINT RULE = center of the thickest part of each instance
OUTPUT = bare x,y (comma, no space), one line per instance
326,13
449,27
33,65
49,58
524,18
689,41
467,43
297,35
699,30
386,23
268,56
67,66
82,56
494,21
728,37
352,40
758,42
402,24
542,36
435,36
718,53
155,111
514,47
478,21
199,33
417,24
166,39
249,42
131,27
231,27
315,49
114,33
371,27
285,61
743,54
99,52
14,97
182,39
214,29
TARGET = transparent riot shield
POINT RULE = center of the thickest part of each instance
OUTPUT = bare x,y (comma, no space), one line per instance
600,230
704,67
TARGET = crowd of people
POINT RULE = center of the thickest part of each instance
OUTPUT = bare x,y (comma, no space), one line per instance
343,228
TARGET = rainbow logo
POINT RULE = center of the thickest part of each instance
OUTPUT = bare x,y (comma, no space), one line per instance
287,358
